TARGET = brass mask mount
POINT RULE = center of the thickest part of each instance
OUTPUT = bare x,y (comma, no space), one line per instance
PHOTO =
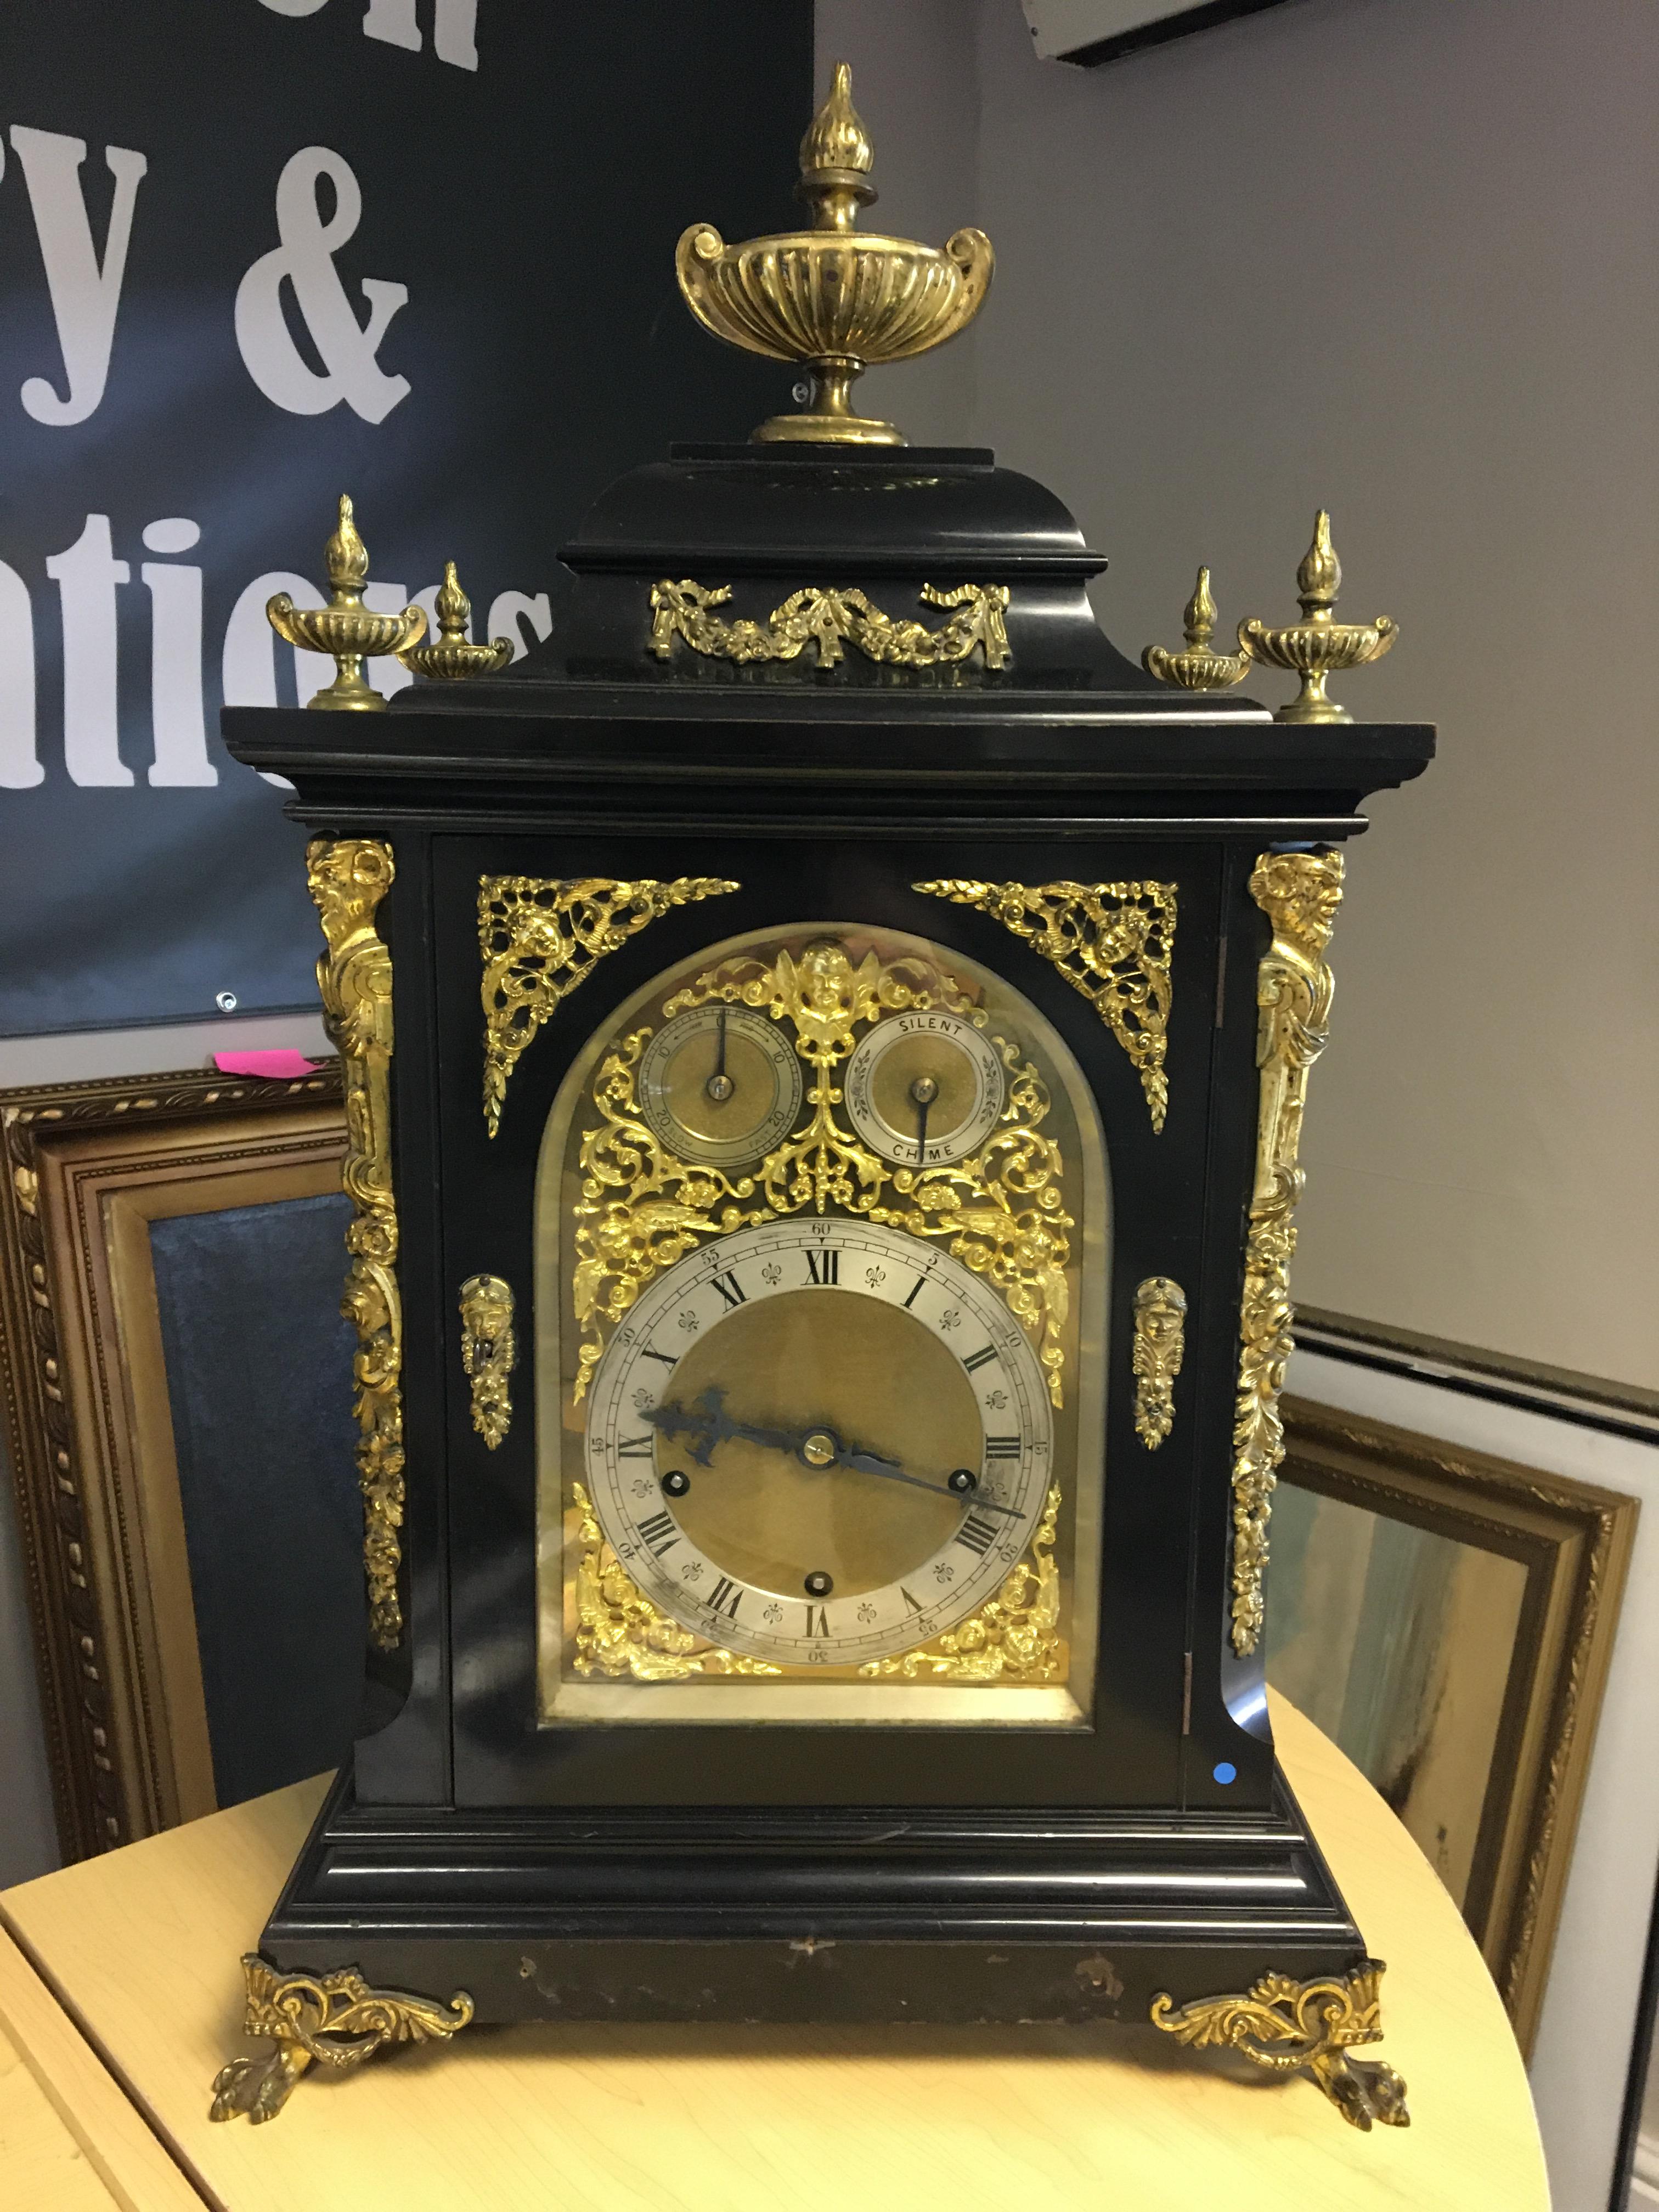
345,629
1317,647
833,299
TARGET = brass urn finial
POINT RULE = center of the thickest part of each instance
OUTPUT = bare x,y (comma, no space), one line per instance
344,628
1197,669
1317,647
452,654
830,298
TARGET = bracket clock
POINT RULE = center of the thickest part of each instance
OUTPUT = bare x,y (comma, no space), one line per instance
825,1040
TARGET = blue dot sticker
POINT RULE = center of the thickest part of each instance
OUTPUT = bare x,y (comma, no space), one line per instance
1226,1772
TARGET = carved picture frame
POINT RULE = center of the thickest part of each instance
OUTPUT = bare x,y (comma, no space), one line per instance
1542,1560
88,1166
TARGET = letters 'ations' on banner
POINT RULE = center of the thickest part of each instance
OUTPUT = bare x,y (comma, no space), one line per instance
254,253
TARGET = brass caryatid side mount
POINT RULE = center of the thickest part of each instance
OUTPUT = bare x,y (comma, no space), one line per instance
345,629
836,300
1198,668
452,654
1317,647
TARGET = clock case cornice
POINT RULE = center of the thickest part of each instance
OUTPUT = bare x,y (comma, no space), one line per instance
1069,739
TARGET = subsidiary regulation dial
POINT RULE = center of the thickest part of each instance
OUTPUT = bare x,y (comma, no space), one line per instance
925,1088
719,1084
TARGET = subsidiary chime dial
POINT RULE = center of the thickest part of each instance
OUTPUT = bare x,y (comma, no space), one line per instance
720,1085
925,1090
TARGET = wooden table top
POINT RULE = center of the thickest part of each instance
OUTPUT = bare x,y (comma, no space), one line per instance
141,1949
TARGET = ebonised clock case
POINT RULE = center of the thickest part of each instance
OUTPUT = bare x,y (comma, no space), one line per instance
664,1869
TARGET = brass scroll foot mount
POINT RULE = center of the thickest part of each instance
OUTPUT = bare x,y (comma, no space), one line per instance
334,2019
1288,2026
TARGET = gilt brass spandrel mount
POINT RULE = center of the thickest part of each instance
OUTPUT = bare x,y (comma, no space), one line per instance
825,619
541,938
335,2021
1112,942
1288,2026
1299,892
349,877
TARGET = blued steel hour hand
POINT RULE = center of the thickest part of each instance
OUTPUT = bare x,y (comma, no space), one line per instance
706,1423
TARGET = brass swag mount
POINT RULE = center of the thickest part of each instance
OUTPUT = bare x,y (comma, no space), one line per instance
825,619
832,299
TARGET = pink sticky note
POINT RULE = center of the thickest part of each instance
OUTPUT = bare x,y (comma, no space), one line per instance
275,1064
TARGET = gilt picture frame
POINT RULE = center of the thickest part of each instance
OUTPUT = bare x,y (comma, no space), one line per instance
1448,1617
93,1171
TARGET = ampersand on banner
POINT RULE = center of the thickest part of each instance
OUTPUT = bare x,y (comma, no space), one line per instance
306,259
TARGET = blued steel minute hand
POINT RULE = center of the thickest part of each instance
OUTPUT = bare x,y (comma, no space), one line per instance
706,1423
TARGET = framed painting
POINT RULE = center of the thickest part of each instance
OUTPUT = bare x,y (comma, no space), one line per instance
178,1385
1448,1617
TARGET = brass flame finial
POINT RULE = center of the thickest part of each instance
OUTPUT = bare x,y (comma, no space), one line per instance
836,160
451,655
1197,669
833,299
1317,647
344,628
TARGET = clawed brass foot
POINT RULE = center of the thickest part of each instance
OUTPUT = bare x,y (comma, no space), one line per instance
258,2086
1288,2026
335,2019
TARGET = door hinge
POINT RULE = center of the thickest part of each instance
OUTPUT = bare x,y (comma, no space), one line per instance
1186,1693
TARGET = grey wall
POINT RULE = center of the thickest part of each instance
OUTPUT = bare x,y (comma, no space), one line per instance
1395,257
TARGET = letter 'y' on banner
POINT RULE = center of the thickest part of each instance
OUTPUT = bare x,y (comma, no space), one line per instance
85,295
305,260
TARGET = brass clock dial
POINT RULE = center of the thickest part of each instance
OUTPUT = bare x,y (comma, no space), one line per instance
925,1088
719,1084
819,1441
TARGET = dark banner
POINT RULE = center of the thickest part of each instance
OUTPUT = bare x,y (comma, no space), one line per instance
254,253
